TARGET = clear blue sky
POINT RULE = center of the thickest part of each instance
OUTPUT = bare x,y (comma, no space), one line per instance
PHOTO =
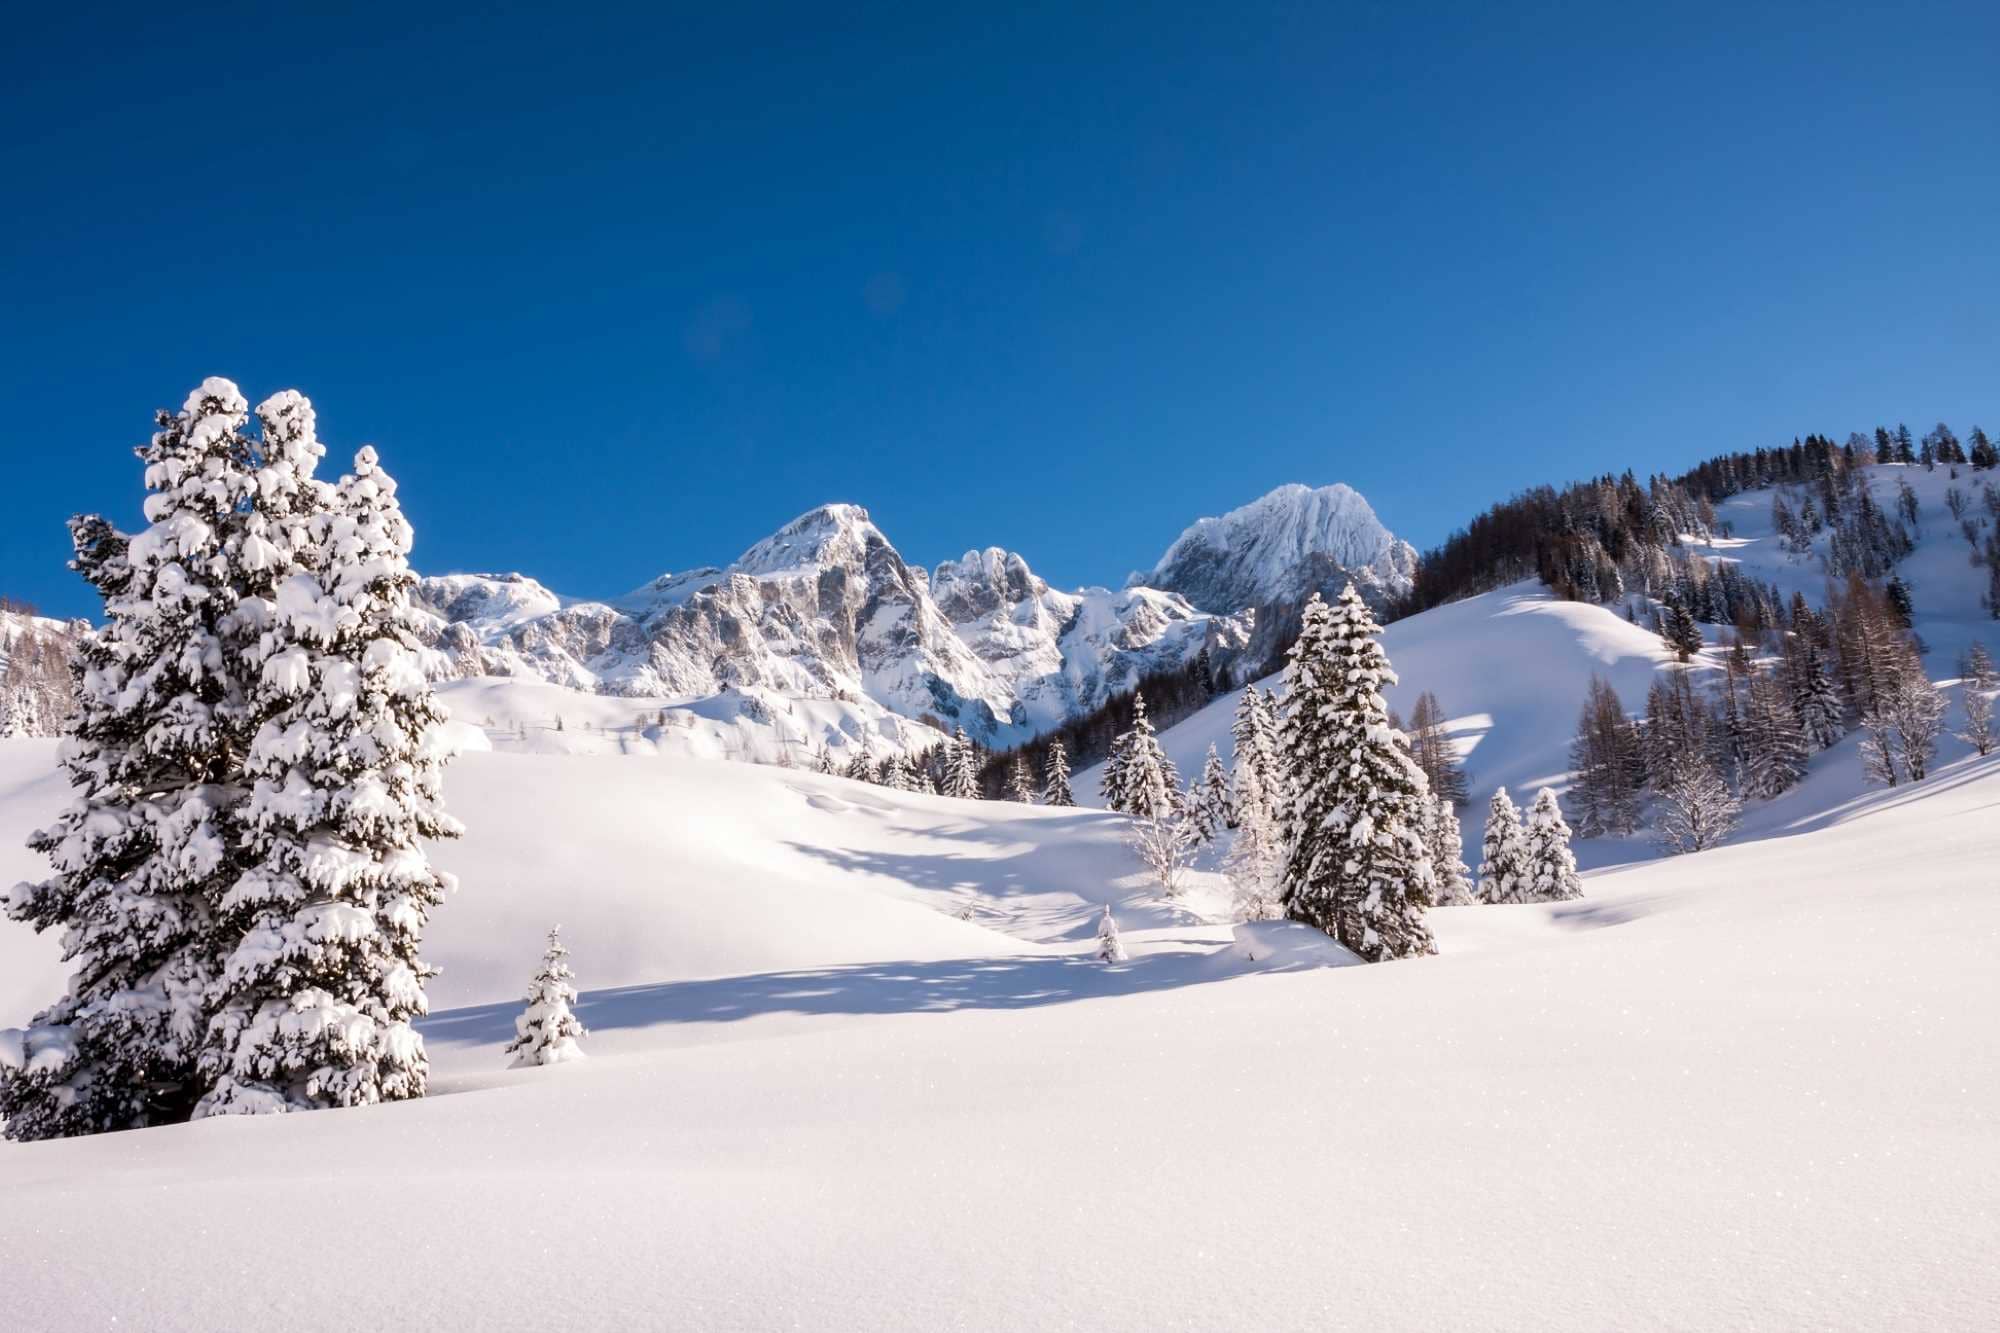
620,293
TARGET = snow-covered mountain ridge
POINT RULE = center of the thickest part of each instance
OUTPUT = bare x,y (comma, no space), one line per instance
1282,548
826,608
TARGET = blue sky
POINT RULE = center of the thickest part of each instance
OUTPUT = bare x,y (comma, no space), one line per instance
621,293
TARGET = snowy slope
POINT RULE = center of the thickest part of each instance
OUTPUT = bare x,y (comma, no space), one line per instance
1747,1088
674,867
1511,666
32,791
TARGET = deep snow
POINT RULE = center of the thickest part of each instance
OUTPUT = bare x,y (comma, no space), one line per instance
1749,1087
853,1064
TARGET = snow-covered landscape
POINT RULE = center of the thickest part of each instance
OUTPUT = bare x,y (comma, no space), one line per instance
735,668
855,1056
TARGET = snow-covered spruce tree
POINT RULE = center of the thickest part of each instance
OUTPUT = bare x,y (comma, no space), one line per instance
1816,699
1021,780
961,767
1357,867
1110,948
1247,785
1276,771
1150,787
315,1004
860,766
1552,874
547,1030
1679,628
1505,869
153,754
1111,780
1696,808
1208,799
1445,839
1055,777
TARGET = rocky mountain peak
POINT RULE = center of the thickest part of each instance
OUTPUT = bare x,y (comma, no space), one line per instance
1281,548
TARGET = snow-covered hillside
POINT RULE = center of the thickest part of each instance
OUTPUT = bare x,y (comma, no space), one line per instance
1751,1086
1511,666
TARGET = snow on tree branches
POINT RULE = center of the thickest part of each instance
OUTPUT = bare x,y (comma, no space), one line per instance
1357,866
1110,948
547,1031
144,850
318,996
257,755
1696,808
1445,840
1055,777
1506,870
1552,876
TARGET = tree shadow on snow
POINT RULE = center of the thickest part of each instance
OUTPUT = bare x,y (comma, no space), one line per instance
1027,982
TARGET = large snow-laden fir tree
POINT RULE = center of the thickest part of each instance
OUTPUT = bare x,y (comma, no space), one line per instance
1506,871
317,999
1552,876
547,1031
1357,865
152,754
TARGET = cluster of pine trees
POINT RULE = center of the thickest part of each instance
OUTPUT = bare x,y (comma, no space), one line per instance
240,884
1170,696
958,768
1336,815
1782,694
1596,540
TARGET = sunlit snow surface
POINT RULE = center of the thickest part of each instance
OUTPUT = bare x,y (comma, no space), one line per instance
853,1066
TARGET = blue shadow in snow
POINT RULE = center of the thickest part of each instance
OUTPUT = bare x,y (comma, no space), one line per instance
866,988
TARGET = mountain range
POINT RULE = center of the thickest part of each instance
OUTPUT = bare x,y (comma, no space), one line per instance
827,608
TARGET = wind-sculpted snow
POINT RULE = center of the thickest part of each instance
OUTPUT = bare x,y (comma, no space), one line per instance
1281,548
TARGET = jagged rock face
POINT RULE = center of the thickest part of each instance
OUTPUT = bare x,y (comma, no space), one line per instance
826,608
1276,551
1059,654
